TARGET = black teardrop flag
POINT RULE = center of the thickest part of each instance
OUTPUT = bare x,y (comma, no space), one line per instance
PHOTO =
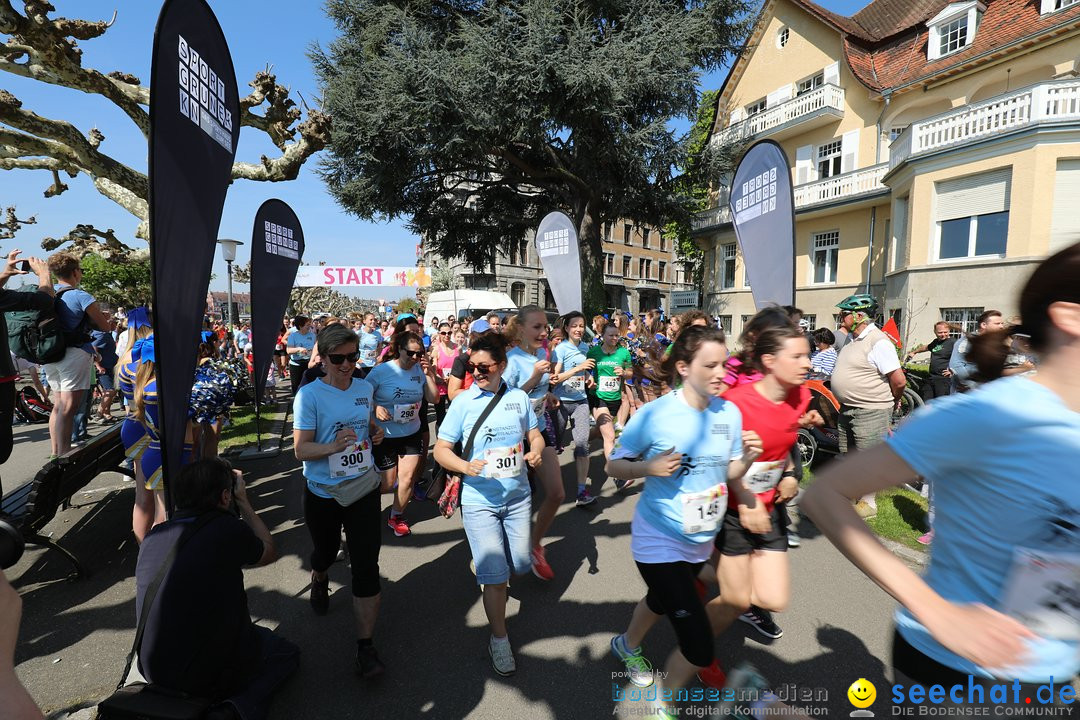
277,246
194,128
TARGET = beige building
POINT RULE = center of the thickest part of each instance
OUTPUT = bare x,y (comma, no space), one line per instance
934,149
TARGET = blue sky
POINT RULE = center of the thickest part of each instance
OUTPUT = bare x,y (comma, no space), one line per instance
269,32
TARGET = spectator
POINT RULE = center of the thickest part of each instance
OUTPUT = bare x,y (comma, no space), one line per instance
69,378
494,321
104,343
199,637
964,372
823,360
14,300
939,384
241,339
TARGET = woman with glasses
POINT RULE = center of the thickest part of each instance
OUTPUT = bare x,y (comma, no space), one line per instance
333,434
443,353
495,497
401,384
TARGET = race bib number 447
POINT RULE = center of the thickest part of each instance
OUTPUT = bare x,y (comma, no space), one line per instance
703,511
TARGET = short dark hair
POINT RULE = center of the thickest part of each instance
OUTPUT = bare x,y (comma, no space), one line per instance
63,264
333,336
201,483
824,335
492,343
989,314
300,321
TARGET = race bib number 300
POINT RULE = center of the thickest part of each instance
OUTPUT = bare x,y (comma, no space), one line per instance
406,413
505,462
352,461
1043,592
703,511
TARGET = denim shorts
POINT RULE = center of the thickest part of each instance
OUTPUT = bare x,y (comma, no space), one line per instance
499,539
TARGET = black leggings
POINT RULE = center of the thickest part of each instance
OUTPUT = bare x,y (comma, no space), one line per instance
440,410
7,416
363,535
672,592
296,375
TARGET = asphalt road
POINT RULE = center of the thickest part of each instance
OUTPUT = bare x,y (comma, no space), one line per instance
432,633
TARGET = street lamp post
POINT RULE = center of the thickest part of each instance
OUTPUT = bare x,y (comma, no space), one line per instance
228,253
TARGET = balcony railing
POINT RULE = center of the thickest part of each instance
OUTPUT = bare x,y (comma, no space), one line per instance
849,186
1049,102
827,99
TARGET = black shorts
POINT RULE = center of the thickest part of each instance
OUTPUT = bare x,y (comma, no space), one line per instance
595,403
387,452
734,539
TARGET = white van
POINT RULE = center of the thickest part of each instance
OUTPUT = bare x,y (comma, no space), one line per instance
465,303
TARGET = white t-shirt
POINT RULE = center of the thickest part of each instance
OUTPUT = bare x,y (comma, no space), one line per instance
883,355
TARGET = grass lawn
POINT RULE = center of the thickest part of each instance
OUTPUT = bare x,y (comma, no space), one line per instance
901,514
241,429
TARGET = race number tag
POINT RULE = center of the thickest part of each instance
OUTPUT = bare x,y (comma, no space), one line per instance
367,356
576,384
538,405
446,373
351,462
1043,592
764,476
609,383
702,511
505,462
406,413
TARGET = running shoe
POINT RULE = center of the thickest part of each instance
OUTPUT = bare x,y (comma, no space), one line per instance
540,566
368,665
398,525
713,676
621,485
926,539
639,669
793,539
502,656
749,688
320,595
865,510
761,620
585,498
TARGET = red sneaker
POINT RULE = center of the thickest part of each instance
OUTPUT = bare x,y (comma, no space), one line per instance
713,676
398,525
540,566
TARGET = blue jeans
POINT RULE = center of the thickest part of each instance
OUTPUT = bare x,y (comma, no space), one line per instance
499,539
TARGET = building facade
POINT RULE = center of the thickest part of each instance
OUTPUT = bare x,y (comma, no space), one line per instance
217,305
640,270
934,147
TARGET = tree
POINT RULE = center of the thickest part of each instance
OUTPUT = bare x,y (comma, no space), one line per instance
474,119
311,300
117,284
36,46
408,305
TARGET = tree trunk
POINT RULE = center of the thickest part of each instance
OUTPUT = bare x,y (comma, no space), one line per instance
593,296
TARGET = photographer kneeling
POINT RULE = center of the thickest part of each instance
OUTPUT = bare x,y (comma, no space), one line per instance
199,638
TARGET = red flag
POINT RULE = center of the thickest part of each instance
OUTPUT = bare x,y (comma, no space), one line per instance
892,331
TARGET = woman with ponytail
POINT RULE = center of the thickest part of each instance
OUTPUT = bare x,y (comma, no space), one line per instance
998,599
148,510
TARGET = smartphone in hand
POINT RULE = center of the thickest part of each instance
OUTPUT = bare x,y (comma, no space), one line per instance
23,266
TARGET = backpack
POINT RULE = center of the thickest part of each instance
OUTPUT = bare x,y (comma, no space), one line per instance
35,335
30,407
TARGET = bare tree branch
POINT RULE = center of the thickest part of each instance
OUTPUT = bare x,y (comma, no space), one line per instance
12,224
85,240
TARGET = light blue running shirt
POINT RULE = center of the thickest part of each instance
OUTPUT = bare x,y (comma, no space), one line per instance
1002,461
519,368
708,440
570,356
507,426
369,347
326,410
301,340
397,390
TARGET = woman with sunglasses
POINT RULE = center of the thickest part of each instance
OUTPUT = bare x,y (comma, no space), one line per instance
572,376
529,370
333,434
443,354
401,384
495,497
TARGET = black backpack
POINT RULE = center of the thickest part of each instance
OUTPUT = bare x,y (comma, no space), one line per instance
35,335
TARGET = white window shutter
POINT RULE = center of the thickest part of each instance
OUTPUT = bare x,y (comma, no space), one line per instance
832,74
933,43
803,164
849,150
1064,221
737,115
980,194
779,95
1047,6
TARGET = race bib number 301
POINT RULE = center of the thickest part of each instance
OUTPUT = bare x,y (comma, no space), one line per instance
703,511
505,462
352,461
406,413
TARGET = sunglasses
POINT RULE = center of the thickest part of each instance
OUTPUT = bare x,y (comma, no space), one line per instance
415,354
445,334
338,358
482,368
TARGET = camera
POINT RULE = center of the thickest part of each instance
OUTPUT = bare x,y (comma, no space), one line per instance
11,543
24,266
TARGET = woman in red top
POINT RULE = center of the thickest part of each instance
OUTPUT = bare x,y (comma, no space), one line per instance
752,543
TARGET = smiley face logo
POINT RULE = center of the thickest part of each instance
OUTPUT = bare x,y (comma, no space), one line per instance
862,693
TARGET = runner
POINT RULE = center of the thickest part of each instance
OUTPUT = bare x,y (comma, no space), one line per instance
299,345
371,342
608,407
752,544
999,597
529,370
460,378
571,377
495,422
334,434
400,385
688,445
443,353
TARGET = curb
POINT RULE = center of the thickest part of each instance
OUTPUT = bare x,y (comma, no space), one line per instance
904,552
271,446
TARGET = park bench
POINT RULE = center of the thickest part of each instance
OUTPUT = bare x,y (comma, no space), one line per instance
33,504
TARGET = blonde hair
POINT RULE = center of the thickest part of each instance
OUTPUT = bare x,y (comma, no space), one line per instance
142,379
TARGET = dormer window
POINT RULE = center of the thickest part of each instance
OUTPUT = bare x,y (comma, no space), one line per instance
953,29
1049,6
